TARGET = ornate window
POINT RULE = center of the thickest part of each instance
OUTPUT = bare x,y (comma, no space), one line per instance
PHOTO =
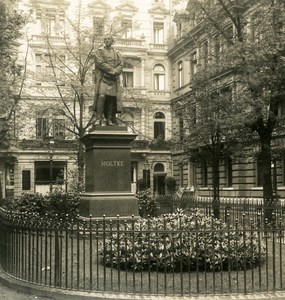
58,129
180,74
159,77
159,125
127,29
158,32
50,21
128,75
47,173
41,128
46,127
50,68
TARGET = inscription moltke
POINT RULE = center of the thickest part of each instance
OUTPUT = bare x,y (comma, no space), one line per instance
112,163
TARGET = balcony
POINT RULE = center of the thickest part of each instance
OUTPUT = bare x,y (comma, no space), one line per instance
129,92
158,48
129,43
42,144
42,39
155,145
159,95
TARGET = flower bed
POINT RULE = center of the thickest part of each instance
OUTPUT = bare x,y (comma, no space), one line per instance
180,242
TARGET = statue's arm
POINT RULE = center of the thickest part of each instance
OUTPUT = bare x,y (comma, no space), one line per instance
119,67
102,65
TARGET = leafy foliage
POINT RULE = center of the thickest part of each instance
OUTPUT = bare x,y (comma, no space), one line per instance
148,206
56,205
180,242
11,23
141,184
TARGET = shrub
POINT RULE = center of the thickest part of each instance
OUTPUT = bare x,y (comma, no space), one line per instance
182,242
62,203
141,185
148,206
58,204
32,203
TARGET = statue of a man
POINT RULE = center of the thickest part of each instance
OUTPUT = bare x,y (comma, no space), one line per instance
108,67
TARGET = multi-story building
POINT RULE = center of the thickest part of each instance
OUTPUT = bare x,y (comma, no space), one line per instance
44,150
197,46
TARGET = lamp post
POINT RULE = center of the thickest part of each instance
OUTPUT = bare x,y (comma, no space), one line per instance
51,147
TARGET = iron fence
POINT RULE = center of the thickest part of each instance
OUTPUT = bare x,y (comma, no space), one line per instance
235,208
73,255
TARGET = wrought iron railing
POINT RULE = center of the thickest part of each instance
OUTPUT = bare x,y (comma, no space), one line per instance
72,255
233,208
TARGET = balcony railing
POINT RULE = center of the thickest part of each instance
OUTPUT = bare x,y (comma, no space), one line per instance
155,46
43,38
159,95
58,144
156,144
130,42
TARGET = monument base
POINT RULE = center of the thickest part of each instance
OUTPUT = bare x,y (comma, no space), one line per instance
108,174
108,204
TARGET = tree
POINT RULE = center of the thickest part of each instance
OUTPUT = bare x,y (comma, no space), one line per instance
249,37
213,131
11,23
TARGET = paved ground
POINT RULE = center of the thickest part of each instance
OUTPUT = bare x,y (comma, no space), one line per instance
10,294
7,293
11,289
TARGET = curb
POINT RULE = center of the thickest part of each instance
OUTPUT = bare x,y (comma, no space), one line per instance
58,294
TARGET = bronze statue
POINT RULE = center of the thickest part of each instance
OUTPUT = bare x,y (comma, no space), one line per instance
108,67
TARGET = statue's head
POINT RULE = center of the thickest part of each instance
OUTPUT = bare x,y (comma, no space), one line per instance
108,39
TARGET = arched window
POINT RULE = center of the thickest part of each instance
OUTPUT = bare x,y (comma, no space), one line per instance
159,77
159,125
159,167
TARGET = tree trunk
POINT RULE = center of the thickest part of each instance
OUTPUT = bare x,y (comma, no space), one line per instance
216,189
264,161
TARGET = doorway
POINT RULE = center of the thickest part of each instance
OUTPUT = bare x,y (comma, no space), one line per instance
159,179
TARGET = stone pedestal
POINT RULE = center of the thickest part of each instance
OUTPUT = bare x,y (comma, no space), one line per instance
108,173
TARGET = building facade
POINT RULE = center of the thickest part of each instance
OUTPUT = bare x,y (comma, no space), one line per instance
196,47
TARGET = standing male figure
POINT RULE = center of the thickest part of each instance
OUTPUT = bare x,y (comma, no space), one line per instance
108,67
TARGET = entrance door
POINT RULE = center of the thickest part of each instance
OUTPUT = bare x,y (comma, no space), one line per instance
159,179
159,184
